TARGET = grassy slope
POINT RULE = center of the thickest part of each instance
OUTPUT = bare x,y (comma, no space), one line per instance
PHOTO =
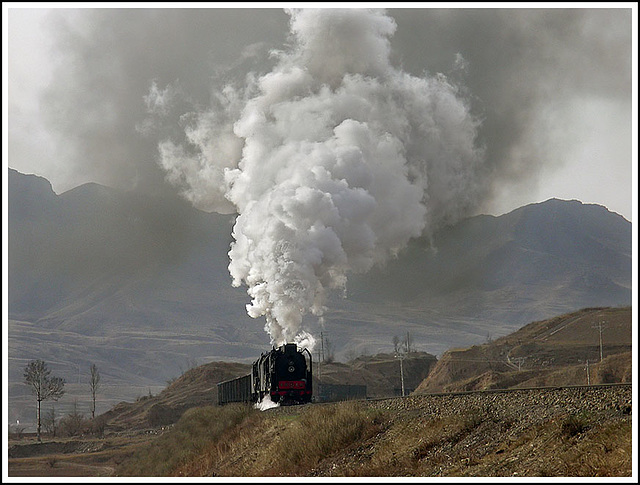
353,439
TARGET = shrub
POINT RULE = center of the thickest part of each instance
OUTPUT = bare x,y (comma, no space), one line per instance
472,419
74,424
97,426
16,432
574,425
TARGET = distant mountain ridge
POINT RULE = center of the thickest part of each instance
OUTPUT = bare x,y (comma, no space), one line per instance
140,286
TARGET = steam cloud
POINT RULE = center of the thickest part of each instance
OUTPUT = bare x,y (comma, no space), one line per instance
266,403
537,76
333,161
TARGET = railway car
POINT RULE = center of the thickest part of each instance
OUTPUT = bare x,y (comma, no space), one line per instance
284,374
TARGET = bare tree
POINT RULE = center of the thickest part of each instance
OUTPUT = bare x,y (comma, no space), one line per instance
50,422
350,355
407,343
37,376
94,385
396,344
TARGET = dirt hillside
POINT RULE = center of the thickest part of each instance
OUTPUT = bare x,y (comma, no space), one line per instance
548,353
196,387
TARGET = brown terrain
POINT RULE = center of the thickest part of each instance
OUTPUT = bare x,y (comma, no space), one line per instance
548,353
442,429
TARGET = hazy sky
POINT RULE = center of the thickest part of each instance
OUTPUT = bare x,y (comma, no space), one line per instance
554,88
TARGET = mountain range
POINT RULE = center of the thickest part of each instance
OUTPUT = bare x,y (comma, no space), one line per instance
138,285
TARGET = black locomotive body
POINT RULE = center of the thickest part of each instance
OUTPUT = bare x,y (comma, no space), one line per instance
284,374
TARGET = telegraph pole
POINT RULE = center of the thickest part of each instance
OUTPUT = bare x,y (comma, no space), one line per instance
319,367
401,358
600,327
588,377
402,376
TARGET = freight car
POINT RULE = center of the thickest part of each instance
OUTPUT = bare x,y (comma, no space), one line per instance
284,374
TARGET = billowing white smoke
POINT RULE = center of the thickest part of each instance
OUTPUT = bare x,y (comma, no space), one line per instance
333,161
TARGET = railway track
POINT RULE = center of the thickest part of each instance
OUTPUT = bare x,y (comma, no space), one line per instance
505,391
572,396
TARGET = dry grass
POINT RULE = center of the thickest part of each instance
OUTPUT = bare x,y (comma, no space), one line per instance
286,444
198,430
403,447
322,431
353,439
572,446
604,453
240,441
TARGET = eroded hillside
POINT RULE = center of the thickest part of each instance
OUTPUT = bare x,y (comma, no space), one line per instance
547,353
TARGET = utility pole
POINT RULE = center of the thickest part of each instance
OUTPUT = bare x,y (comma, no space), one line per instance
600,327
520,361
319,367
588,377
401,358
322,344
402,376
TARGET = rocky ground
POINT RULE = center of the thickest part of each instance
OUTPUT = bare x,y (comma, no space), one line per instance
555,432
579,431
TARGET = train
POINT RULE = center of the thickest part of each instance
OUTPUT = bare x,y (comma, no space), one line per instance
284,374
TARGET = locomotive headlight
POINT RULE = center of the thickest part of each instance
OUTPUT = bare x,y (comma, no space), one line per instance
291,368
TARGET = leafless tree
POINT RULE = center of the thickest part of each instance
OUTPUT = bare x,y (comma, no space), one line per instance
50,422
94,385
407,343
350,355
37,376
396,344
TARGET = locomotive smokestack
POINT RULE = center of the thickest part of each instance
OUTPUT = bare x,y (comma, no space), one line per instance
333,161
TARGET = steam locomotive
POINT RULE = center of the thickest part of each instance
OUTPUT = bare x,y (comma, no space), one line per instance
284,374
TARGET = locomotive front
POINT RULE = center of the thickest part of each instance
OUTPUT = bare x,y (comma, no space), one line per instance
285,374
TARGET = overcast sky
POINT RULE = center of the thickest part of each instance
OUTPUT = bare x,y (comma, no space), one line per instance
552,87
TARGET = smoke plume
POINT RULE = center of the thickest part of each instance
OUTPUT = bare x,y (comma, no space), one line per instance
332,161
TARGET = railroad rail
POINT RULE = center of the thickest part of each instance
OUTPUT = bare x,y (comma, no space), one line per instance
502,391
294,409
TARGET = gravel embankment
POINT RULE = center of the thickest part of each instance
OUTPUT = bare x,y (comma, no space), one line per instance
526,407
548,401
506,433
